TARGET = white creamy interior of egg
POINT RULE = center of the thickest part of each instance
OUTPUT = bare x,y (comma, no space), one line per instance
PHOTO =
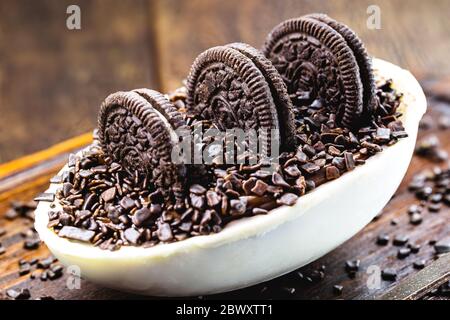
258,248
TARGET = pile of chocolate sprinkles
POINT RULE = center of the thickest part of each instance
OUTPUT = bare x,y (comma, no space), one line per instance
102,203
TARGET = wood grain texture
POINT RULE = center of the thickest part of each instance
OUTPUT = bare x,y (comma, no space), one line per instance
362,246
52,80
414,34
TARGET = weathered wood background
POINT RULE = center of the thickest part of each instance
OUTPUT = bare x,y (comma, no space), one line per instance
52,80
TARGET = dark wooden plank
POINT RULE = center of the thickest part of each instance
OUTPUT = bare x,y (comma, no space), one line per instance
413,34
416,285
52,80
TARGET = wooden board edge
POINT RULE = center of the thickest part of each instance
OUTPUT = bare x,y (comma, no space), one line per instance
21,164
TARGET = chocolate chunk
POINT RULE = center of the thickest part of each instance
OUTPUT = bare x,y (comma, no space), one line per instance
127,203
238,207
45,263
320,162
56,272
292,171
444,122
164,232
262,174
383,239
437,197
414,247
74,233
44,276
85,173
424,193
185,226
72,160
429,147
332,173
383,134
66,188
415,209
309,150
399,134
155,209
278,180
415,219
447,200
339,163
109,194
197,202
18,294
337,289
141,216
259,211
352,265
349,160
442,247
45,197
403,253
372,147
11,214
259,188
31,243
420,264
114,214
301,156
434,207
416,185
212,198
197,189
90,200
333,151
310,168
56,179
132,235
82,215
24,269
400,240
288,199
248,185
389,274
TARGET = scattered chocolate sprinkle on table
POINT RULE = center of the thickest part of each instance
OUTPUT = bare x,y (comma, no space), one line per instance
426,241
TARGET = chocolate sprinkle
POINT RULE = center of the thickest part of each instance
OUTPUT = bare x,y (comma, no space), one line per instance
74,233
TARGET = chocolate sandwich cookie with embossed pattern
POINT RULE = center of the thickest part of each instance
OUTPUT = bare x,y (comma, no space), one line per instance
137,129
235,86
362,58
323,63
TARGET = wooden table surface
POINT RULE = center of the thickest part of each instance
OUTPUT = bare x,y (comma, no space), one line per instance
52,80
